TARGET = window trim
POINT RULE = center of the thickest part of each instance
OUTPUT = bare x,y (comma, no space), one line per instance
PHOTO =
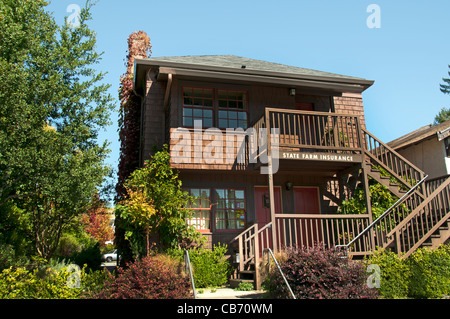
188,220
216,209
231,109
193,107
215,106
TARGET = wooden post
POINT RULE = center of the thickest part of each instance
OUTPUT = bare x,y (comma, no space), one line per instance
256,245
272,208
368,203
270,177
241,254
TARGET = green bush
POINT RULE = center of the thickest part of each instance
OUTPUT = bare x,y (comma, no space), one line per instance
430,273
211,267
424,274
9,258
89,256
394,274
55,281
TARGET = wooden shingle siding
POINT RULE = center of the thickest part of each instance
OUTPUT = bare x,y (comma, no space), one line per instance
350,104
154,121
232,146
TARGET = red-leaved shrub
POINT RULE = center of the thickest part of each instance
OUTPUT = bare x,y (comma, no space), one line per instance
151,277
319,273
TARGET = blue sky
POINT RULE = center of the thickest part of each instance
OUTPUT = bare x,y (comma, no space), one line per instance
407,56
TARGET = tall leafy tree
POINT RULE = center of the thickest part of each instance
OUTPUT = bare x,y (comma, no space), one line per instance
53,104
155,206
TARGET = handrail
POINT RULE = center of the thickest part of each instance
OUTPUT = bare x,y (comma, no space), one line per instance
187,262
430,197
384,214
385,159
268,250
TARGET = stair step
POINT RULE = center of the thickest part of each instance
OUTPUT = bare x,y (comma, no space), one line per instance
234,283
247,275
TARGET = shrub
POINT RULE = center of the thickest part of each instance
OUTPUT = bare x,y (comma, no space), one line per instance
430,273
9,257
319,273
89,256
151,277
394,274
47,283
211,267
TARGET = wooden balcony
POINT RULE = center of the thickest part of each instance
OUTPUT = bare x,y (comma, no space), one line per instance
309,136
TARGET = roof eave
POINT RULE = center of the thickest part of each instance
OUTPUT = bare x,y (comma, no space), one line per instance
337,84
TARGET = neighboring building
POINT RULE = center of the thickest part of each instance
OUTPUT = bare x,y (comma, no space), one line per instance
427,148
307,125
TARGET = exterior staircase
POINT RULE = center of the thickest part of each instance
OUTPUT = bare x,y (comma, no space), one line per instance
245,276
377,174
420,218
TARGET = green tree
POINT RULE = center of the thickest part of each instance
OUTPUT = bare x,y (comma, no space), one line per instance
445,87
155,201
53,105
444,113
442,116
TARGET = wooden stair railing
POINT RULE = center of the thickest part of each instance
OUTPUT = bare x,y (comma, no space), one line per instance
252,243
379,154
425,221
376,235
411,221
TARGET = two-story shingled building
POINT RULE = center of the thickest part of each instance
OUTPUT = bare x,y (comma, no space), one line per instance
227,118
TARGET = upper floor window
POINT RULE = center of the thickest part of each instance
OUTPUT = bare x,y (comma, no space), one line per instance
228,107
232,108
198,104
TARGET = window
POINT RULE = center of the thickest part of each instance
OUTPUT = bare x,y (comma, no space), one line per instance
232,111
230,209
198,104
201,103
201,207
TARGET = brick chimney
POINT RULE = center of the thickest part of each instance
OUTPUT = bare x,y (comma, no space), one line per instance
139,47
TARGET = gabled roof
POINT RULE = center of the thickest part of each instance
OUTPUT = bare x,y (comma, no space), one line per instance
251,70
439,132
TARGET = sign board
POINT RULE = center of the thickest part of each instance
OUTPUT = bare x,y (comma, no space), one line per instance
443,134
324,157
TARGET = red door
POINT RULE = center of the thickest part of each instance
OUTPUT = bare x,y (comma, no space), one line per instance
306,201
262,204
262,210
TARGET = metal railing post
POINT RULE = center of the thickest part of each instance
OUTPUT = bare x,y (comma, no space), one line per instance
269,251
187,262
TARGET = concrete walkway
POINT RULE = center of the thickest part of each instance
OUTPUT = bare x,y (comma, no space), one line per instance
229,293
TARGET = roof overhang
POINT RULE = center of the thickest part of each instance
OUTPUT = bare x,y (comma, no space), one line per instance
248,76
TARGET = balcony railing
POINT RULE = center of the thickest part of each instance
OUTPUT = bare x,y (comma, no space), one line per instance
308,131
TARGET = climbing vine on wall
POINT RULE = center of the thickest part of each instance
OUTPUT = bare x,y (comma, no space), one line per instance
129,126
129,118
